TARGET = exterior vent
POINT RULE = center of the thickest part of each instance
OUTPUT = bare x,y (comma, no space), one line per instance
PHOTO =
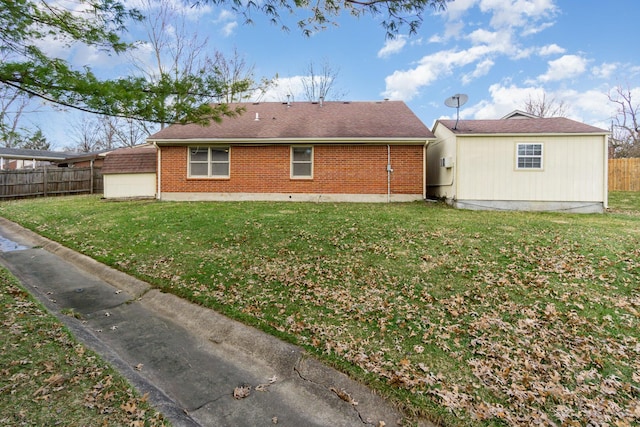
446,162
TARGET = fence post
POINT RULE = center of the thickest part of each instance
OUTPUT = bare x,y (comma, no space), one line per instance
44,181
91,178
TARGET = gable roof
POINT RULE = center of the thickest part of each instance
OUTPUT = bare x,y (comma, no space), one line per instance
519,114
539,125
140,159
273,121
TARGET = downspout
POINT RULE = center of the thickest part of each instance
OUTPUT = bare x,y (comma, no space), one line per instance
424,170
389,170
605,202
158,171
91,178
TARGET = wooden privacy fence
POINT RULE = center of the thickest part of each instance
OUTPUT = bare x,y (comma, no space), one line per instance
49,182
624,174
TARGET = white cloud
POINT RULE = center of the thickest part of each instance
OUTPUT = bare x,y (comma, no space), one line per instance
229,28
504,99
392,46
223,16
185,9
605,70
482,69
509,20
405,85
227,20
591,106
518,13
282,87
484,37
565,67
551,49
457,8
535,29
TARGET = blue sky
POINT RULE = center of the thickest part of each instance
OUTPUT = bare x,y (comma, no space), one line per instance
498,52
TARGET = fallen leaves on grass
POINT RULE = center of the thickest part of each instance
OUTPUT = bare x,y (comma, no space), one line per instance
53,379
529,343
500,319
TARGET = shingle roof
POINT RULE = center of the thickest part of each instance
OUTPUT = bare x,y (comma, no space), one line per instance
22,153
551,125
131,160
275,120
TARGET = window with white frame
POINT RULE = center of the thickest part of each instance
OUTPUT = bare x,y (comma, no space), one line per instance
209,162
301,162
529,156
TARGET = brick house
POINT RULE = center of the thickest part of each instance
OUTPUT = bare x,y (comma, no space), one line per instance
302,151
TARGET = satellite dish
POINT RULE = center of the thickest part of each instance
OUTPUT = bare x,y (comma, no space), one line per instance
456,101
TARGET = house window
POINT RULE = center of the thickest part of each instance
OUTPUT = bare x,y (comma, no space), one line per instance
301,162
209,162
529,156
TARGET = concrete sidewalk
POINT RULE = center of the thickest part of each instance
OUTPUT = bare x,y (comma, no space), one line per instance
188,358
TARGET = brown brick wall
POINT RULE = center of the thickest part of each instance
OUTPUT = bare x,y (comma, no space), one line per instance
341,169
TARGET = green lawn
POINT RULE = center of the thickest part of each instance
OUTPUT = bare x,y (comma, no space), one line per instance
47,378
468,317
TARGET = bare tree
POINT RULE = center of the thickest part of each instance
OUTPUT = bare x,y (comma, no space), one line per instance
625,127
174,48
543,107
237,78
12,107
321,83
85,135
121,132
179,51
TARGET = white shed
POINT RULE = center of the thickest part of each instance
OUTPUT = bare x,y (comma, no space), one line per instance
130,173
519,162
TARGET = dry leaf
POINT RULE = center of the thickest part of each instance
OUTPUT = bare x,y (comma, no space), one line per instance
344,396
241,392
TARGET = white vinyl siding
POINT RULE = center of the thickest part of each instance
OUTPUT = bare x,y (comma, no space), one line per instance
573,169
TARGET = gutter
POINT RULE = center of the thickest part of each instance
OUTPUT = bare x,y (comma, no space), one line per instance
290,141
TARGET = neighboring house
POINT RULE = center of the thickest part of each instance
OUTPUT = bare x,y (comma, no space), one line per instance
92,159
519,162
302,151
19,158
130,173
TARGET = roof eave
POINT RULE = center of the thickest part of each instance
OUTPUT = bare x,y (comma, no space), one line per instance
289,141
39,158
515,134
